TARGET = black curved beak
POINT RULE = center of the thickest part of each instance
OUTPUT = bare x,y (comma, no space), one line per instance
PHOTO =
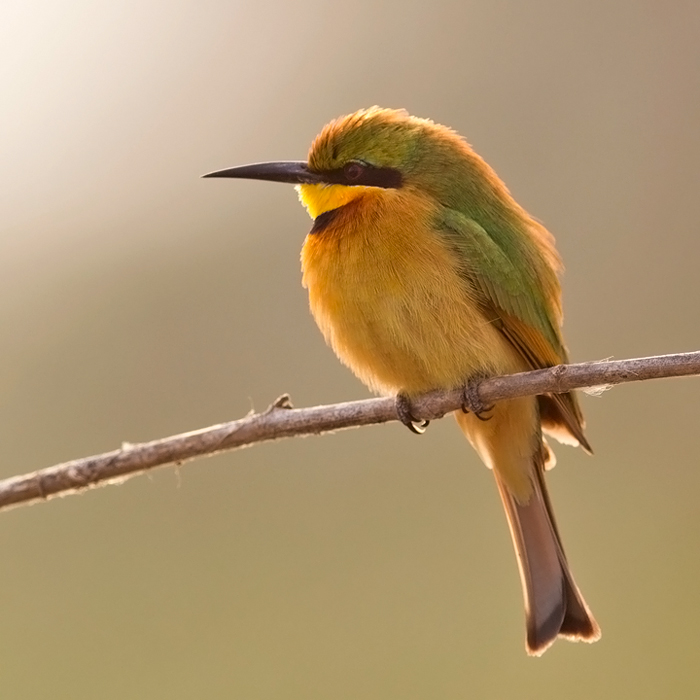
293,171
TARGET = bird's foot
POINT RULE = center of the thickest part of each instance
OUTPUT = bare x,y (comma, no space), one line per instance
405,415
471,401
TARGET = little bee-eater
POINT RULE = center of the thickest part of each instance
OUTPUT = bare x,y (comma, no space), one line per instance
424,273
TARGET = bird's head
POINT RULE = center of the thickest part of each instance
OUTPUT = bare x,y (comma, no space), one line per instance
372,148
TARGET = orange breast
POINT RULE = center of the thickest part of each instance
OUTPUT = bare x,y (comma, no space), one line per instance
388,296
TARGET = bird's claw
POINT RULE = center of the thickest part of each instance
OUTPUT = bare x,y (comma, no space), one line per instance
472,403
405,415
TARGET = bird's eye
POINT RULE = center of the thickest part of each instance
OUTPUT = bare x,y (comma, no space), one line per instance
353,171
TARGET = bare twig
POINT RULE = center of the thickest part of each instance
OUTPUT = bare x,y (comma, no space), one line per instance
280,420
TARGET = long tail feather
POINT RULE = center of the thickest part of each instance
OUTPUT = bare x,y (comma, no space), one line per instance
511,444
553,604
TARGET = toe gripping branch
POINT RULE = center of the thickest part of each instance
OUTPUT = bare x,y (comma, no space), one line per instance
472,403
405,415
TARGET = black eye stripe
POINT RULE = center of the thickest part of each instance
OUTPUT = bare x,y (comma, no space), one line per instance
355,173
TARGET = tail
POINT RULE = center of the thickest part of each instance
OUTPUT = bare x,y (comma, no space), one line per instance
553,604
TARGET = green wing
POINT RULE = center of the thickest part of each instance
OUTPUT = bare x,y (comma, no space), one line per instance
512,296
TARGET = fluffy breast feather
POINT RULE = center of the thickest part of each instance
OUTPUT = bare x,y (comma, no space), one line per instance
388,296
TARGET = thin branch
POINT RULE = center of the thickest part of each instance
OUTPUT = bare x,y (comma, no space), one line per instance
280,420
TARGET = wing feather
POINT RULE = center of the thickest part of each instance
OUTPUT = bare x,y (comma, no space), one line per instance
513,298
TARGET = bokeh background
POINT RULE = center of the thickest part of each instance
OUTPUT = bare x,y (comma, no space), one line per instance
139,301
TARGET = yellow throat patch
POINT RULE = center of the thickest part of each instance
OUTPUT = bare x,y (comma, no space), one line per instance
319,199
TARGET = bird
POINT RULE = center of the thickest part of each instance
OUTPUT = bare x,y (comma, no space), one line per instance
424,273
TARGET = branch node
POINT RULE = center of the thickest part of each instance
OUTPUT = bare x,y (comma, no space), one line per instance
558,374
40,487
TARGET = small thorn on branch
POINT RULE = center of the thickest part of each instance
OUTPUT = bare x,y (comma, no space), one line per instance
284,401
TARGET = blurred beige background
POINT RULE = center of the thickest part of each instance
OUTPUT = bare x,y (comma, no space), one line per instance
139,301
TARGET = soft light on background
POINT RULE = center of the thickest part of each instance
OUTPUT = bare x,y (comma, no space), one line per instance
139,301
